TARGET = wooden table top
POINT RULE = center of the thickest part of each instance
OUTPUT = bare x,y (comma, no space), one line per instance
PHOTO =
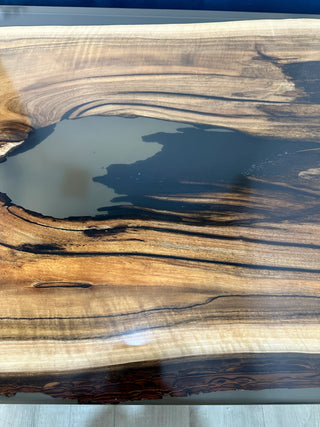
208,280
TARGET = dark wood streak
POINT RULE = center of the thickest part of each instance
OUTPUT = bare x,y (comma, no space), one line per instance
49,285
39,250
212,285
267,76
46,285
227,309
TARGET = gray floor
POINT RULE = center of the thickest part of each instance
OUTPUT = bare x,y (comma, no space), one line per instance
160,416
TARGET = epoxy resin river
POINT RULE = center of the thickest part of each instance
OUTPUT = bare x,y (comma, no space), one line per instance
171,254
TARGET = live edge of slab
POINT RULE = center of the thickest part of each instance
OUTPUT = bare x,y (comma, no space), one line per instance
175,378
214,287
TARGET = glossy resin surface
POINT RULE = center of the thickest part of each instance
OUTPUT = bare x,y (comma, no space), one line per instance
159,209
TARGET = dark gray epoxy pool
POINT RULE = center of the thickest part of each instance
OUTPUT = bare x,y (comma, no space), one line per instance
55,176
99,165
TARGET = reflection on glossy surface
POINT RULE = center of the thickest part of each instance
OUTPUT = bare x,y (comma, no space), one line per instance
193,159
140,162
55,177
28,15
201,272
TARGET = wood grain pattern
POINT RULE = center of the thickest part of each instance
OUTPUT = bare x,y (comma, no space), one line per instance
213,287
253,76
155,282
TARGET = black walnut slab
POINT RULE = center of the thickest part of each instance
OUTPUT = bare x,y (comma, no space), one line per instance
222,294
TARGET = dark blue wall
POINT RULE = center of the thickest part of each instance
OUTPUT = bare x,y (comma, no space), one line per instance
290,6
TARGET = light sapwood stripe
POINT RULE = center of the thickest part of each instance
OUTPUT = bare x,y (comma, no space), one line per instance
47,356
159,276
235,272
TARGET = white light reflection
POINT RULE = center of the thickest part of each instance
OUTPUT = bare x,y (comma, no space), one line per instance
137,338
